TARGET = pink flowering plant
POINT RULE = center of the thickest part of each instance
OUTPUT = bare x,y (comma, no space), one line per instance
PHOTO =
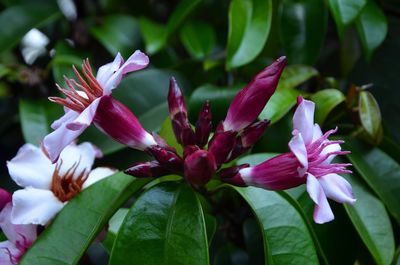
149,144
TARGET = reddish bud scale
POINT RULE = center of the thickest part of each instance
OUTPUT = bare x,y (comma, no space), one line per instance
204,125
199,167
147,170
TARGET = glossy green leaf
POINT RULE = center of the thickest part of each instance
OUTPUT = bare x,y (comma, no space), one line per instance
36,117
326,100
372,222
286,237
77,225
370,115
198,38
118,33
181,12
164,226
18,20
345,12
372,27
294,75
154,35
380,171
279,104
303,26
113,226
211,226
249,26
220,98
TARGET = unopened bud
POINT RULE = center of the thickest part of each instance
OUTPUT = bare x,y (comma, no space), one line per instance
167,158
199,167
204,125
147,170
221,145
190,149
231,175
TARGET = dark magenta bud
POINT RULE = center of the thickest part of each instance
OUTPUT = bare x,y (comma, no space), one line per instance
231,175
199,167
204,125
177,110
5,197
253,133
147,170
190,149
221,145
167,158
251,100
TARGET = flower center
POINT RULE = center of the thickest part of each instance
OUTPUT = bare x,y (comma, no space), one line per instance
80,93
67,185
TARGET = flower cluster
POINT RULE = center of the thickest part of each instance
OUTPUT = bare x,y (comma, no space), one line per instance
60,169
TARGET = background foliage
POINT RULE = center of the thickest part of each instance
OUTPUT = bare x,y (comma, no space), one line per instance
342,54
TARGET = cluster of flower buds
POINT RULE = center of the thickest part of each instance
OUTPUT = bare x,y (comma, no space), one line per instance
203,157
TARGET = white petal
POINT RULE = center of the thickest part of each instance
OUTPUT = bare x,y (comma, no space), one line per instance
8,252
23,234
317,132
30,167
98,174
298,148
135,62
69,116
56,141
106,71
303,120
34,206
81,157
337,188
85,118
322,210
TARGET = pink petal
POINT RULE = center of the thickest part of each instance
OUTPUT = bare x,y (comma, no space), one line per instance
106,71
298,148
34,206
69,116
322,210
31,167
317,132
98,174
85,118
23,234
135,62
9,253
337,188
303,119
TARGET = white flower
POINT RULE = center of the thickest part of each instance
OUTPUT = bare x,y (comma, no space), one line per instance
47,186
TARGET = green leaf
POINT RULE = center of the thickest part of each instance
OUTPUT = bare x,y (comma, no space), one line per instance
20,19
113,226
35,118
211,226
164,226
279,104
372,27
220,98
345,12
249,26
286,236
380,171
370,115
77,225
118,33
303,26
154,35
295,75
372,222
326,100
181,12
198,38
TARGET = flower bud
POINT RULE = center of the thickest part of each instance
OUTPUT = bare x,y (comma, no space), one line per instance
231,175
203,125
190,149
117,121
5,197
199,167
167,158
178,114
221,145
146,170
250,101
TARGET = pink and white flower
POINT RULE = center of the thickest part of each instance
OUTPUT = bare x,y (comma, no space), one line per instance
89,100
47,186
309,162
20,237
